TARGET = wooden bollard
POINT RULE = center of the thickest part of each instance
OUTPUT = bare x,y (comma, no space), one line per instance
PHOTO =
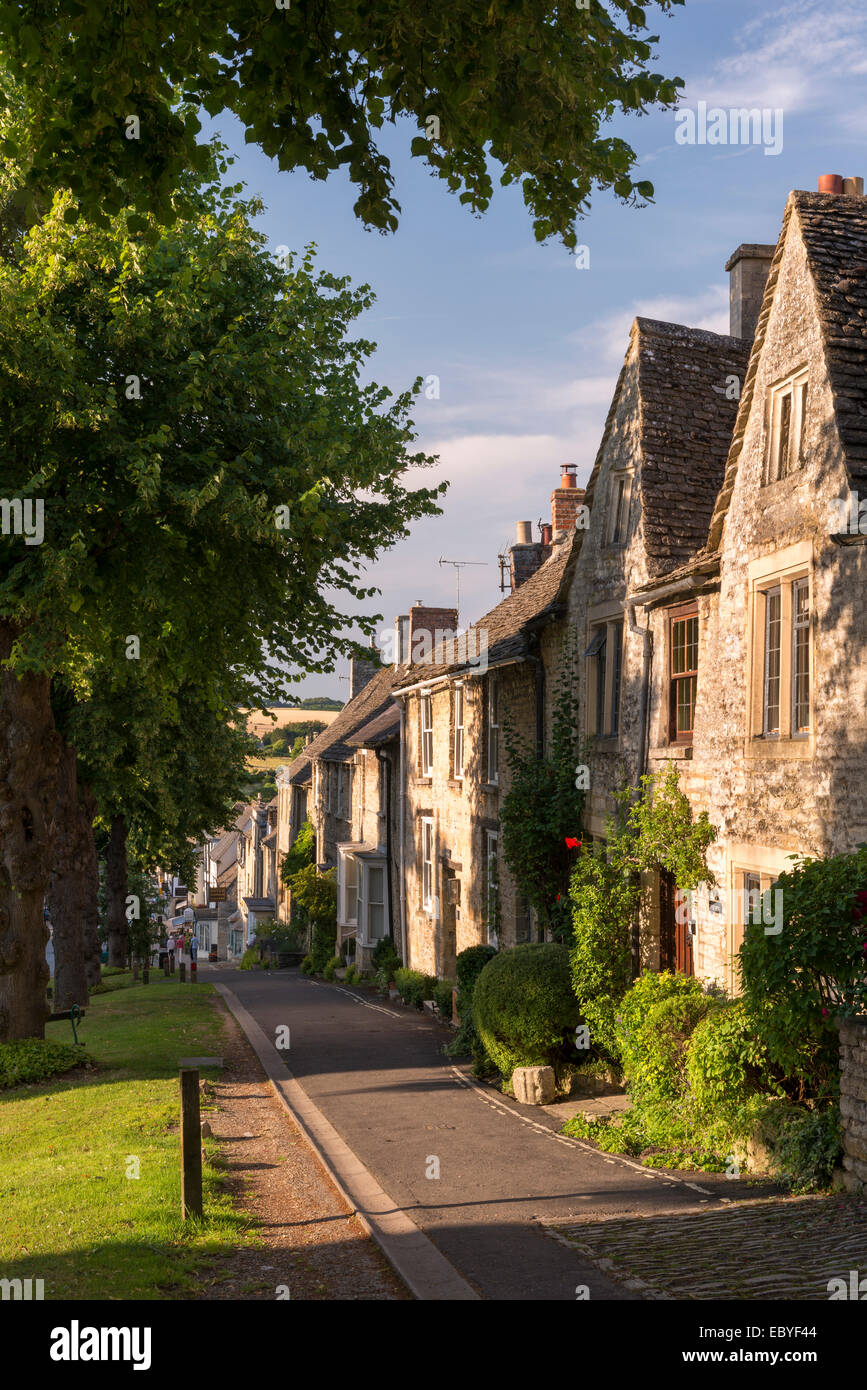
166,966
145,975
191,1144
194,974
182,973
135,972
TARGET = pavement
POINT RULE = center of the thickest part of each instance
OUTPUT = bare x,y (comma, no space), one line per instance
488,1181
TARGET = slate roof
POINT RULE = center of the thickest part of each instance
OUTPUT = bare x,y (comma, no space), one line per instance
383,729
834,229
371,701
507,625
685,431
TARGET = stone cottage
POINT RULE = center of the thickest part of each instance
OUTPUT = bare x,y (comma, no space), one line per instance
456,891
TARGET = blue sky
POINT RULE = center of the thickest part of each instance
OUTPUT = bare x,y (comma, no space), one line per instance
527,348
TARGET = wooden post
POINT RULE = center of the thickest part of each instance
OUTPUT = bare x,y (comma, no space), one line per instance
182,973
166,966
193,972
191,1144
145,975
135,971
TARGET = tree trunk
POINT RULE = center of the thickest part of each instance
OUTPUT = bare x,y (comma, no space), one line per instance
29,750
92,944
70,890
116,921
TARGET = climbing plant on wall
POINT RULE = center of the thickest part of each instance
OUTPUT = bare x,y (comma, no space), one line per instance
542,812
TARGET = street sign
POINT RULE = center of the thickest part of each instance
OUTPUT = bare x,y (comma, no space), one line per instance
216,895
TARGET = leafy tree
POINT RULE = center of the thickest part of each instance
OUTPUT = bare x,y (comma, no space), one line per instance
214,479
541,814
524,87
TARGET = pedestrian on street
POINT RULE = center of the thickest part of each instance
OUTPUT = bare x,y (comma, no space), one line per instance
172,952
194,947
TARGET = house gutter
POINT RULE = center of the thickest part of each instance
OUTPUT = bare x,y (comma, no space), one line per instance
384,760
402,831
647,638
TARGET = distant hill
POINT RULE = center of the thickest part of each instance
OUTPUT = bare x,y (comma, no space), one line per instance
321,702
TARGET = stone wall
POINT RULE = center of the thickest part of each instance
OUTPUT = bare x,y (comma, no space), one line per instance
853,1102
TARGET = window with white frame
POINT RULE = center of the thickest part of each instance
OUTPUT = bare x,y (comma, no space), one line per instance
374,898
350,888
492,887
426,736
427,863
787,409
493,730
781,682
459,731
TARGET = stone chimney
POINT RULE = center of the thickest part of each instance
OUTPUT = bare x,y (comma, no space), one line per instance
748,270
566,500
428,627
526,555
360,672
401,639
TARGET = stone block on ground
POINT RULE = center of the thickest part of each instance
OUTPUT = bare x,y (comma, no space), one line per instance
533,1085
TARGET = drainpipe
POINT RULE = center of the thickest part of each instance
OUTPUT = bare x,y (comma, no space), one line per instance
647,637
540,730
401,826
385,761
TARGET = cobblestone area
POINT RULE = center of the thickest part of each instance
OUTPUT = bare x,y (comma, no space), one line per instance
785,1249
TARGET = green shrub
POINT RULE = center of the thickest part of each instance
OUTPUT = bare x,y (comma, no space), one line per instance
330,966
250,959
813,969
654,1021
603,904
524,1008
352,975
726,1060
414,986
32,1059
307,967
808,1149
323,945
466,1042
442,997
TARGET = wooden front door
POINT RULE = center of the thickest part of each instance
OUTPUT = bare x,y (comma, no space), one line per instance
449,924
675,939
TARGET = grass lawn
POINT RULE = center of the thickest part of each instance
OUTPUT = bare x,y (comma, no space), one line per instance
266,762
71,1215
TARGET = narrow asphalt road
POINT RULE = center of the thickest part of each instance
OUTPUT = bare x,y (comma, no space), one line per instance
475,1170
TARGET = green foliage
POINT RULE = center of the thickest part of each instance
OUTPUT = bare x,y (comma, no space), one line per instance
316,894
466,1042
655,830
727,1060
352,976
654,1021
300,855
279,938
307,966
604,901
322,946
32,1060
414,986
332,964
442,997
524,1008
809,1148
250,960
524,94
542,809
814,969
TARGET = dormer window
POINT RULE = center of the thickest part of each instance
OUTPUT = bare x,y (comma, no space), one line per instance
787,411
618,513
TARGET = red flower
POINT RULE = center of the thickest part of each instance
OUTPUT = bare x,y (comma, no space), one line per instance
558,897
572,843
824,1013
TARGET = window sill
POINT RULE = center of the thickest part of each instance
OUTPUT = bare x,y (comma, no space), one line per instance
783,748
672,750
456,783
605,743
490,787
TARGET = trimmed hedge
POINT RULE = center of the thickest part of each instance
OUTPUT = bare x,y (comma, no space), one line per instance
442,997
524,1007
35,1059
467,1043
414,986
